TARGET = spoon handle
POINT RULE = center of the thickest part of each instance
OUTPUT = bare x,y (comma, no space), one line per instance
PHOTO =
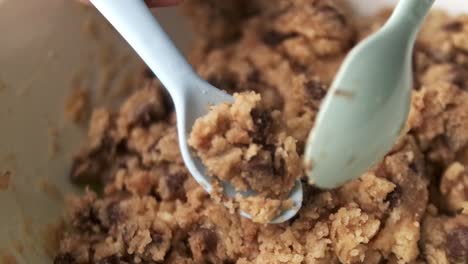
135,22
412,12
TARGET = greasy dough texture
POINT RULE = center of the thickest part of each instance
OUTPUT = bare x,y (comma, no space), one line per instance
410,208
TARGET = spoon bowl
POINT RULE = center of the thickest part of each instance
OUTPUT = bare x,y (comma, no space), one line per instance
191,95
196,104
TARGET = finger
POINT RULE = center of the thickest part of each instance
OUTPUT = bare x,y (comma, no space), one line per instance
152,3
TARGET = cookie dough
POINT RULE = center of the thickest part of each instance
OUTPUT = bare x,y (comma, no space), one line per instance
246,144
410,208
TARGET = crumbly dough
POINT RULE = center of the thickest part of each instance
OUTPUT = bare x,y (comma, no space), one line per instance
246,144
410,208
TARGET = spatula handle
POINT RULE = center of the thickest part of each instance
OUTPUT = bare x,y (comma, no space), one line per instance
135,22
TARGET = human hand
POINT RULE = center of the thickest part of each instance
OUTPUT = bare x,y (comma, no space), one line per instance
152,3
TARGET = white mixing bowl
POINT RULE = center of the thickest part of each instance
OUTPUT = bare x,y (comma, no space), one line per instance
42,46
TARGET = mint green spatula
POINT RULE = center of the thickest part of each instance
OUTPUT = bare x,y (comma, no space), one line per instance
368,103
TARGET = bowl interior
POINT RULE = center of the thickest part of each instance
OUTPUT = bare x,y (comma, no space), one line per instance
40,57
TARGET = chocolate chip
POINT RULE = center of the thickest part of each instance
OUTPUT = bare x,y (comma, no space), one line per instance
114,213
461,51
156,238
460,78
210,239
315,89
126,259
227,81
281,170
260,171
297,67
114,259
145,115
263,123
156,244
414,167
121,147
393,198
154,193
273,38
66,258
175,184
87,220
121,163
254,76
93,216
203,243
261,164
455,26
91,252
457,243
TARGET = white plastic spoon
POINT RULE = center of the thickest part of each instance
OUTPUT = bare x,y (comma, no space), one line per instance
191,95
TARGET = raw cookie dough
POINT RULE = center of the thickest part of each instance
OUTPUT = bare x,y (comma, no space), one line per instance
410,208
445,239
246,144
